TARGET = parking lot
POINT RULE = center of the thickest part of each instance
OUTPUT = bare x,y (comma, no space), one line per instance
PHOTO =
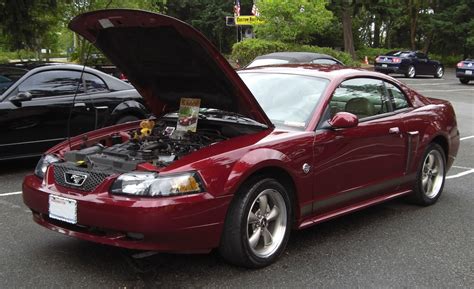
391,245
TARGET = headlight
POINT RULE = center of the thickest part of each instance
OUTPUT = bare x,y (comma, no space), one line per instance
43,164
153,185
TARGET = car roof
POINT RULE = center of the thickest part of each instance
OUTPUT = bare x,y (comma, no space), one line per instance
330,72
295,56
27,65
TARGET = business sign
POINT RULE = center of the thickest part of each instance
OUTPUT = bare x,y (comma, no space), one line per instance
247,20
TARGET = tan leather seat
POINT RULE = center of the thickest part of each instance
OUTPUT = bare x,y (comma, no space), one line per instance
360,106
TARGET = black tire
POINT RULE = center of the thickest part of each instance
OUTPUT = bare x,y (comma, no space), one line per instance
127,118
439,72
464,80
243,221
411,72
422,194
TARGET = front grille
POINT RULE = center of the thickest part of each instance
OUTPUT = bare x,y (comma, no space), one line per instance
94,178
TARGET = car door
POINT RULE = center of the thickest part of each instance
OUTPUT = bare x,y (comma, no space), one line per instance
422,65
32,126
362,162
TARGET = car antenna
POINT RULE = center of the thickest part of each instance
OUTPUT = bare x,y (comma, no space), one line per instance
81,81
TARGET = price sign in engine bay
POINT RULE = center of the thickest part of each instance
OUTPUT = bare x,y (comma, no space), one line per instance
188,114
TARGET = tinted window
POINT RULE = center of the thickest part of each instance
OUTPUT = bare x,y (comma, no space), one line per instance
397,97
287,99
360,96
324,61
51,83
8,76
94,83
420,55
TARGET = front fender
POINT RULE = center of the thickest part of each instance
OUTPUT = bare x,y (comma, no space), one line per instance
251,162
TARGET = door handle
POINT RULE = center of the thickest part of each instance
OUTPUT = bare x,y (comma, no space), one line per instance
394,130
79,104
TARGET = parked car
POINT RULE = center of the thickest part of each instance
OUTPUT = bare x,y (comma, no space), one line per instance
36,103
293,58
410,63
465,71
276,148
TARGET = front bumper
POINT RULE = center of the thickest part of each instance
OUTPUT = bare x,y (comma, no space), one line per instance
190,223
462,73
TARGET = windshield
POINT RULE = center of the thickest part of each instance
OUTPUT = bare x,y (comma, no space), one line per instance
8,76
287,99
267,61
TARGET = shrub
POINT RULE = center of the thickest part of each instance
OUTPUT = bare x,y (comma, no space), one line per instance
245,51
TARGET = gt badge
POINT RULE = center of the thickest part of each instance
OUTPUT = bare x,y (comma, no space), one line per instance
75,179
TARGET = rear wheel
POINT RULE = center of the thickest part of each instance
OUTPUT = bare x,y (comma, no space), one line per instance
411,72
464,80
439,72
431,176
257,225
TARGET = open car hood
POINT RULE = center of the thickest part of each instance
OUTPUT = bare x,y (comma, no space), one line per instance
167,59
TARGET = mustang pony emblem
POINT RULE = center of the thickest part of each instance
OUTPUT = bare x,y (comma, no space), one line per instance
75,179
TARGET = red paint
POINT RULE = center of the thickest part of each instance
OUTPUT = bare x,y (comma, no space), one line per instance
351,168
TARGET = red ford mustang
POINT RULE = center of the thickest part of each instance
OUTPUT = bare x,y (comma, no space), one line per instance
276,148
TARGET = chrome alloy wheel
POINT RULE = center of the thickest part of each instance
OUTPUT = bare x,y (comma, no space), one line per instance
411,71
432,174
439,72
266,223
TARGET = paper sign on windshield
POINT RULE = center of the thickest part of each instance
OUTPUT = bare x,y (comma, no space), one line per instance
188,114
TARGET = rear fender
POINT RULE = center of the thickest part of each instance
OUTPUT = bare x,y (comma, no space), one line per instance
129,107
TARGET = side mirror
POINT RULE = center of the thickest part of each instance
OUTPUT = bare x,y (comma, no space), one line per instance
344,120
20,97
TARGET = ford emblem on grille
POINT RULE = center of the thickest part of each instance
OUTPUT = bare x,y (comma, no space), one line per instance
75,179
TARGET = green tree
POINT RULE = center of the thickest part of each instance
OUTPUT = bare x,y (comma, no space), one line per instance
208,16
28,24
292,21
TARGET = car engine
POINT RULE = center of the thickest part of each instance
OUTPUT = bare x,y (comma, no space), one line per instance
159,145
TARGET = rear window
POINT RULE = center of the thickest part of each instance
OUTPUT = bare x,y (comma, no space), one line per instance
399,53
267,61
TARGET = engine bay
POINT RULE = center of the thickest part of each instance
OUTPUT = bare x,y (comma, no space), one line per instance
159,144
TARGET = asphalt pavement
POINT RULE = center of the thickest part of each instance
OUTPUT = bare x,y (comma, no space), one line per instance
392,245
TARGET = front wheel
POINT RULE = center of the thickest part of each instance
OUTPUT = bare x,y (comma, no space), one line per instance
431,176
411,72
464,80
258,223
439,72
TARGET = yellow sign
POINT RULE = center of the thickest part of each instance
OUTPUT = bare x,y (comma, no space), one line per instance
247,20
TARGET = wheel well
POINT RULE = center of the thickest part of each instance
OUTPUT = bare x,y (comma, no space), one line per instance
127,113
443,143
285,179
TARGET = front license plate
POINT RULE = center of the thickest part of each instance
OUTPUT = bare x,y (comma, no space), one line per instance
469,72
63,209
384,65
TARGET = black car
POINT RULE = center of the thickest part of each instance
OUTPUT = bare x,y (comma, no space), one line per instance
37,101
410,63
294,57
465,71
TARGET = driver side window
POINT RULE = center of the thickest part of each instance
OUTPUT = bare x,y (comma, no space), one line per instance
51,83
360,96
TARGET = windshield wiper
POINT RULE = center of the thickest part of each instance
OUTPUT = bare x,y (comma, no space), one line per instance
228,115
